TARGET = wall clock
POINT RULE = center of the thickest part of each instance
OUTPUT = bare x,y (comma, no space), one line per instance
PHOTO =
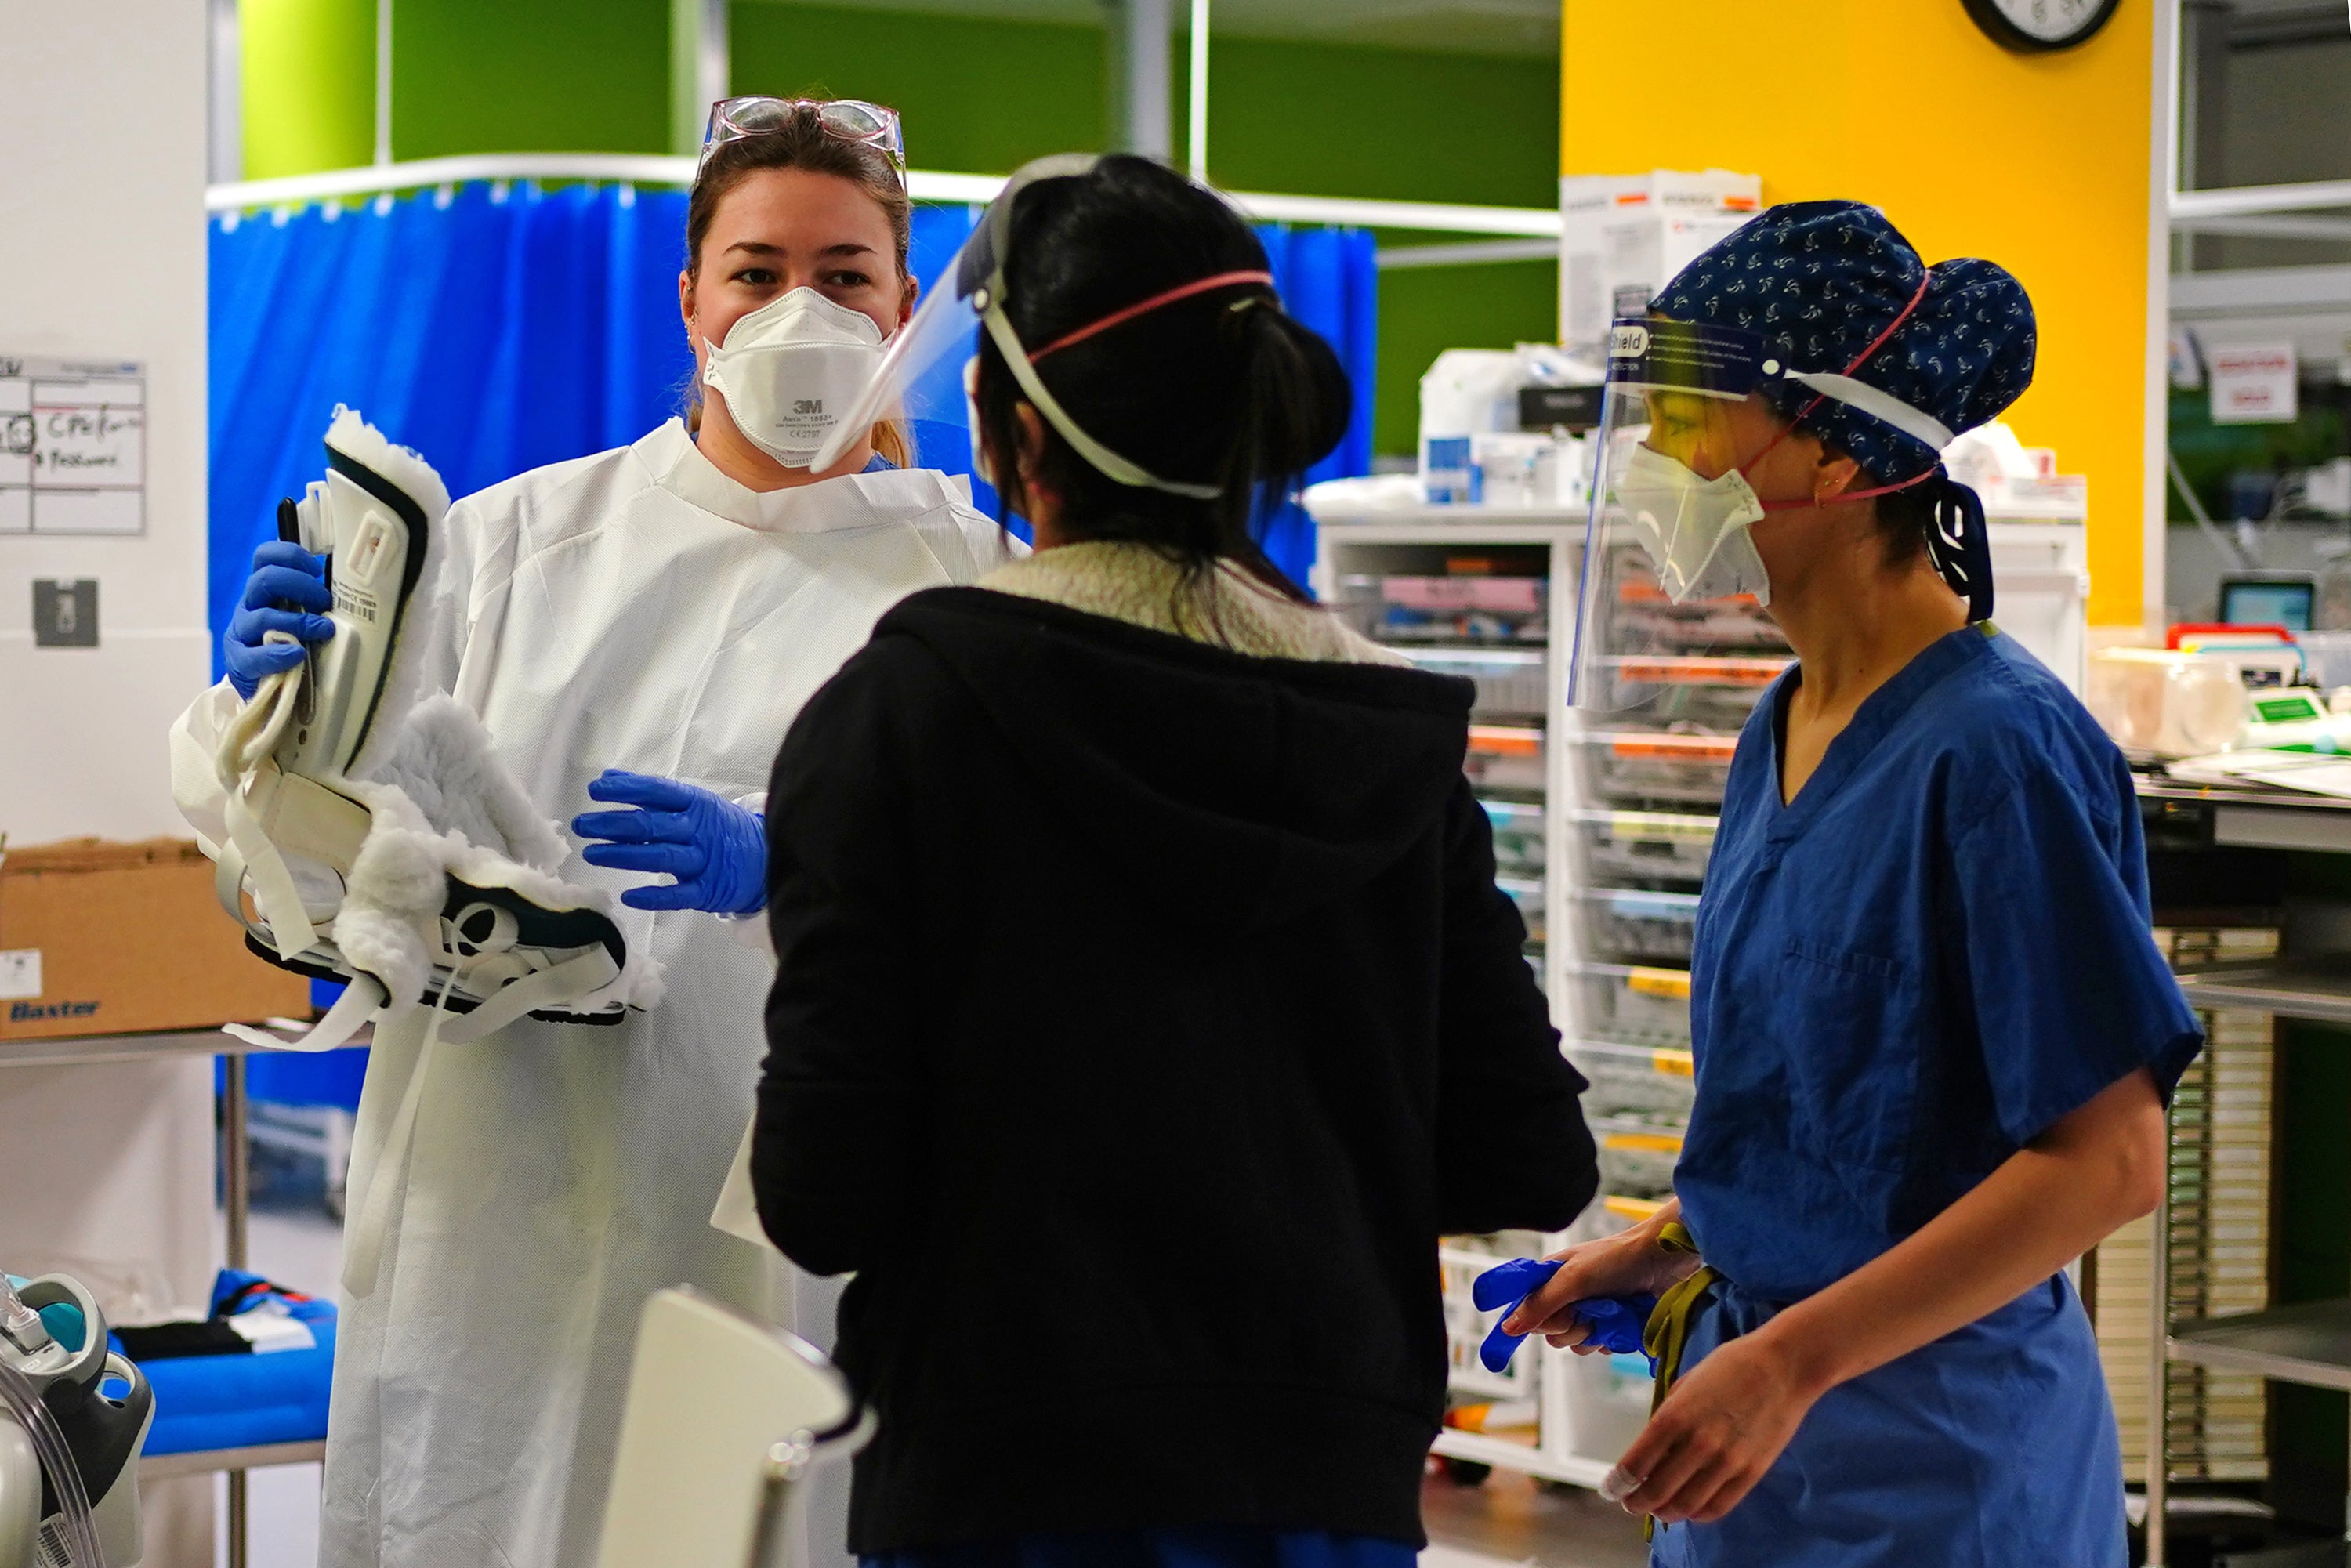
2037,26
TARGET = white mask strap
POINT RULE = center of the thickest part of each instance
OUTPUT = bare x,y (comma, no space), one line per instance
1879,404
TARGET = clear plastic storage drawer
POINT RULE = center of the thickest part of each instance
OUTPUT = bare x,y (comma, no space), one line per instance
1636,1160
1638,924
1651,1086
1642,846
1526,893
1517,836
1628,1004
1506,757
1635,766
1467,608
1508,680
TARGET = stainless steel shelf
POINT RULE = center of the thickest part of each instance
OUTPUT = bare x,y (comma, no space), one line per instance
2321,993
2308,1344
2254,817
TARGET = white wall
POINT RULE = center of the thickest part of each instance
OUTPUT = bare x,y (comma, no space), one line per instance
102,254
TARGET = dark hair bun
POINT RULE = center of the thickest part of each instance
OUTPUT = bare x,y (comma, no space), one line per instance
1197,389
1298,375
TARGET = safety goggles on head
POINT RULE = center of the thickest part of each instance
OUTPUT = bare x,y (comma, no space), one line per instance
1669,625
842,119
921,378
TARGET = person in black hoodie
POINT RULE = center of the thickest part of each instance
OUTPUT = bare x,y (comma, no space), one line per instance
1145,1008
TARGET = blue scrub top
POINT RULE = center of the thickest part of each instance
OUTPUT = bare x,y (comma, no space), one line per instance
1938,951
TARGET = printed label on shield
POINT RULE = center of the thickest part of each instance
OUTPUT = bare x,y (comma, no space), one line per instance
1685,356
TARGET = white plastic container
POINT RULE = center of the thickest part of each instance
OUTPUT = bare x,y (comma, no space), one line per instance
1466,392
1515,468
2168,703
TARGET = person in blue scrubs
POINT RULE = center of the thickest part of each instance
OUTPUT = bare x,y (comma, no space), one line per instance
1934,1038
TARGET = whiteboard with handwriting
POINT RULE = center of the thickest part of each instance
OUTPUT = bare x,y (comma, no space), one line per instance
73,447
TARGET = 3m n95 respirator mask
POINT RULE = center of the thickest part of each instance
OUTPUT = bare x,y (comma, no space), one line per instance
790,369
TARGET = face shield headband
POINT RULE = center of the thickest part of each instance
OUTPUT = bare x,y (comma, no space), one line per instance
970,295
988,299
1732,363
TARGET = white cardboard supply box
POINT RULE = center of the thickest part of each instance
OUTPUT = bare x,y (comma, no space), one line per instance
1623,236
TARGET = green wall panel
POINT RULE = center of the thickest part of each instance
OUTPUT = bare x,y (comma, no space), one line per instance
529,76
1329,120
1425,310
979,97
307,70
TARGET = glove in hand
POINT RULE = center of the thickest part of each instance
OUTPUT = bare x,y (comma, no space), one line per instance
716,850
288,587
1613,1324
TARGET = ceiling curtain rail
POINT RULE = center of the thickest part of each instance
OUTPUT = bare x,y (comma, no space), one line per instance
923,185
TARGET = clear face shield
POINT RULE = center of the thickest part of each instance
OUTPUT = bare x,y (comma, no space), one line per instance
922,378
1672,645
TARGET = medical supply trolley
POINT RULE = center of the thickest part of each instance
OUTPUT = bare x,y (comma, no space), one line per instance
1602,832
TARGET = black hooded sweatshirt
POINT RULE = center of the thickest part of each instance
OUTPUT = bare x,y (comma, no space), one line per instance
1144,1013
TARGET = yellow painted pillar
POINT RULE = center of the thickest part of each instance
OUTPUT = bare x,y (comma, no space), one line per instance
2039,162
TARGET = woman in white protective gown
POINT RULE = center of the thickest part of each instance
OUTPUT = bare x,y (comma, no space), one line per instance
662,608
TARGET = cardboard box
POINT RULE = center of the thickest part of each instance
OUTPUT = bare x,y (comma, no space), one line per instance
1623,236
110,938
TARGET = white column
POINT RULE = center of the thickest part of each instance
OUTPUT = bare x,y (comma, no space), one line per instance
1196,119
226,113
2163,179
1139,32
700,64
103,108
383,81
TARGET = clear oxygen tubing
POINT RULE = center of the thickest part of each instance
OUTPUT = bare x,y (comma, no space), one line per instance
22,1401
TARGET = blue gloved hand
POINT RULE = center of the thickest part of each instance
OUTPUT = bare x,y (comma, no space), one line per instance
287,580
716,850
1614,1323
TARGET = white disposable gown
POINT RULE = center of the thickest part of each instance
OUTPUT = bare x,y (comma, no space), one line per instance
637,609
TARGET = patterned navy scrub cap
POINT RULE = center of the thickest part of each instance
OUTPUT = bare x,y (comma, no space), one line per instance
1820,281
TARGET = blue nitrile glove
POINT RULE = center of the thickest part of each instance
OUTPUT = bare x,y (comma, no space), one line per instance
716,848
1614,1323
287,580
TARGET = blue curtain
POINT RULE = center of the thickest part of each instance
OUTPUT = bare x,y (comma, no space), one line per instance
495,330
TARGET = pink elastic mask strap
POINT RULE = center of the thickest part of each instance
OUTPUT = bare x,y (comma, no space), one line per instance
1848,496
1168,297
